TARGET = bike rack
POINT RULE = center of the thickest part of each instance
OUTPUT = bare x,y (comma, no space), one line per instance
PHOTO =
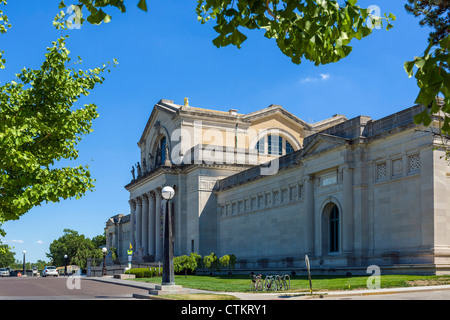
270,282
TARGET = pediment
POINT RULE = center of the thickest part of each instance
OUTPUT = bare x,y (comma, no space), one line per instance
162,107
110,222
269,112
323,142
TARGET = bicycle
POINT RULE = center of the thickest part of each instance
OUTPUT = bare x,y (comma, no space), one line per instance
269,283
256,284
283,282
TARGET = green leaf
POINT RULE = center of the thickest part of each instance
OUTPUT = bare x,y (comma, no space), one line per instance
142,5
409,66
40,125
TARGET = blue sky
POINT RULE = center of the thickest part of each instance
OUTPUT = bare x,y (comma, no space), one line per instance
166,53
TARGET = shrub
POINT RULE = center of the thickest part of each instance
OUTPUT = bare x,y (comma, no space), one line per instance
144,272
228,261
186,264
211,263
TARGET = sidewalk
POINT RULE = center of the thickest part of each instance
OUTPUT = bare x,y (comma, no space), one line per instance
278,296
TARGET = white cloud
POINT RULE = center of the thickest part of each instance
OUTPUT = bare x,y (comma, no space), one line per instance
15,241
40,242
321,77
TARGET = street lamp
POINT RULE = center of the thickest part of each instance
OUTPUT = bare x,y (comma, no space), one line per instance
65,264
168,277
24,270
104,261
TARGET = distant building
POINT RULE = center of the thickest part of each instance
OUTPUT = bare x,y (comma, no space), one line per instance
270,188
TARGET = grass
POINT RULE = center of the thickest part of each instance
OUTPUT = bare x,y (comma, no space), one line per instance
240,283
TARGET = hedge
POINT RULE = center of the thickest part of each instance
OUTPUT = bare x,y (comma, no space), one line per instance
145,272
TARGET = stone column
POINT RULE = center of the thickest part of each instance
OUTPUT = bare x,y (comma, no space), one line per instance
138,224
151,222
347,208
144,224
132,222
158,234
310,216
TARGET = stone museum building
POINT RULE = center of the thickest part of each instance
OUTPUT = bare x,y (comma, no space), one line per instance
271,188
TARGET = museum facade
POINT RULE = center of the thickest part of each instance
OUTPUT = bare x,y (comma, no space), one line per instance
270,188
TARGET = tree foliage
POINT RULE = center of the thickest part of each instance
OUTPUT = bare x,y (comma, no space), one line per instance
6,256
39,126
211,263
434,14
228,261
433,73
319,31
77,247
4,25
433,79
185,264
99,240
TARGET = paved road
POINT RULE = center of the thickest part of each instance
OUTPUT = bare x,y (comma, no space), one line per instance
63,288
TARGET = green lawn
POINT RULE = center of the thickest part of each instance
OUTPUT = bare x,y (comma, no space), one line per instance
240,283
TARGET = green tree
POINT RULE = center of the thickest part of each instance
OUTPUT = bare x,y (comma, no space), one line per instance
186,263
434,14
40,264
39,127
211,263
432,68
99,240
77,247
6,255
228,261
433,79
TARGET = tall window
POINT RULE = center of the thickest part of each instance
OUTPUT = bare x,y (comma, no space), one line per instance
274,145
334,229
160,156
163,149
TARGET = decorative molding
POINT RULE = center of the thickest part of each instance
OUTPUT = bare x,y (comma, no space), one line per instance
138,201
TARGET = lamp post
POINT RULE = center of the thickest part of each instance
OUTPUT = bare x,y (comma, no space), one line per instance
168,277
24,269
104,261
65,265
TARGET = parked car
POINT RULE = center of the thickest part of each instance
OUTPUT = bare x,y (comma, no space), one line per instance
4,272
50,271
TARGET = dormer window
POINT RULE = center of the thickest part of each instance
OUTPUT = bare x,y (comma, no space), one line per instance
274,145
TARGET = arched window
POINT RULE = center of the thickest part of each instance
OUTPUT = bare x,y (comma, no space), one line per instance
289,148
160,155
162,144
334,229
274,145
